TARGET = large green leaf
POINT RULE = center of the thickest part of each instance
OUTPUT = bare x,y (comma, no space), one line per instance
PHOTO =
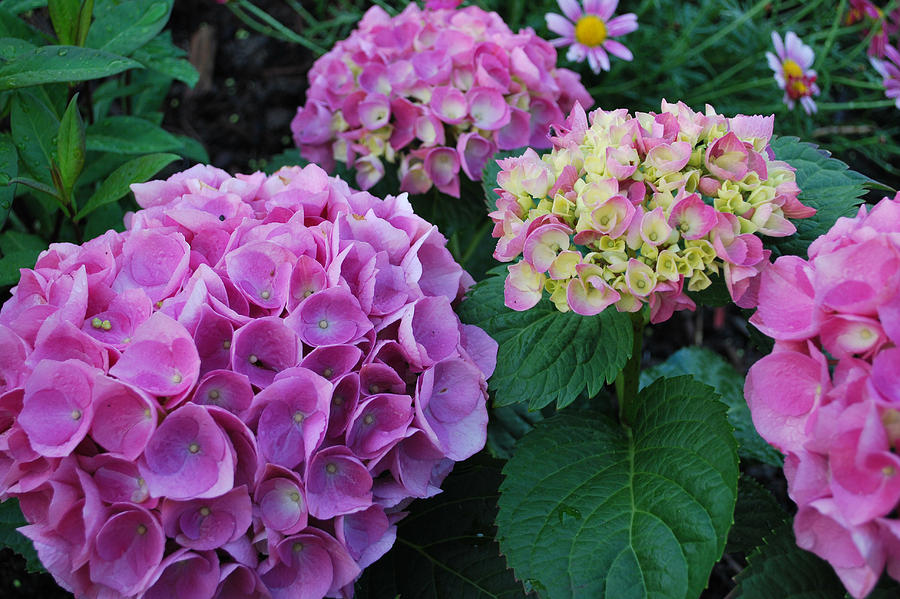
590,508
64,16
756,515
11,518
508,424
160,54
49,64
19,250
129,135
780,564
118,183
13,27
826,184
9,169
709,367
446,546
34,123
546,355
70,145
128,25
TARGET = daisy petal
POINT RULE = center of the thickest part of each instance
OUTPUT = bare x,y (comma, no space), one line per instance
560,25
617,49
779,46
571,8
600,57
622,24
605,8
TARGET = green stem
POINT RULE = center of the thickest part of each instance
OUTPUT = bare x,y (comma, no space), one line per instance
628,381
827,106
832,33
473,244
273,25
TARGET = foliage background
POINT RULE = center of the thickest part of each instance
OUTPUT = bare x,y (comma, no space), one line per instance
251,63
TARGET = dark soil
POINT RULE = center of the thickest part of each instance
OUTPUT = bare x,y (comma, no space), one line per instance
249,90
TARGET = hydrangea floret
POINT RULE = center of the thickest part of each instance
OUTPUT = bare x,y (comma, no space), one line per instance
239,394
437,92
828,394
637,209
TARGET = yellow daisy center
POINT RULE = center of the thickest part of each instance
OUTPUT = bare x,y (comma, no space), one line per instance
791,69
590,30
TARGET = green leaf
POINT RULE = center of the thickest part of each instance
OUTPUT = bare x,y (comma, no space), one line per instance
70,145
192,149
117,184
161,55
756,515
85,14
9,169
128,25
508,424
446,546
19,250
781,564
10,519
13,27
34,123
129,135
61,63
589,508
712,369
826,184
489,176
546,355
290,157
17,7
64,16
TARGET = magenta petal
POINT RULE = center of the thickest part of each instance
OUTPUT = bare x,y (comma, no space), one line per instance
330,317
186,575
337,483
188,456
57,410
161,359
380,421
127,551
203,524
429,331
124,418
264,347
451,407
782,390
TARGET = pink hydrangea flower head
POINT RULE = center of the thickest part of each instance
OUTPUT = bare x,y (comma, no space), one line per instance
201,405
792,62
837,422
642,209
588,31
445,91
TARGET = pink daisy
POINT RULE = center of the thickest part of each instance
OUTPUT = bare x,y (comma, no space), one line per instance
588,31
890,70
791,62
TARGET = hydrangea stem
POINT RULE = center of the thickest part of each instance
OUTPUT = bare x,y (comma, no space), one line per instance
627,382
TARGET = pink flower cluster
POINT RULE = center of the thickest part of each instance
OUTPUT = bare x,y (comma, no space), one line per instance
630,210
237,396
828,396
439,90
